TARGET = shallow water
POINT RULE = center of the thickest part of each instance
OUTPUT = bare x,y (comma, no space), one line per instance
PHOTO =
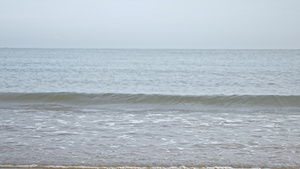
151,108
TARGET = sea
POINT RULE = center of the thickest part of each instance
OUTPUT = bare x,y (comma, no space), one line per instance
149,108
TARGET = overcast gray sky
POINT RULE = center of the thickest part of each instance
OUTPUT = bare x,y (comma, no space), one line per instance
197,24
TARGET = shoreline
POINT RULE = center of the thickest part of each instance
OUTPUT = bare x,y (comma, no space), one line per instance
9,166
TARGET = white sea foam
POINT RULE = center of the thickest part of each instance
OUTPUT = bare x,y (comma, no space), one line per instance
118,167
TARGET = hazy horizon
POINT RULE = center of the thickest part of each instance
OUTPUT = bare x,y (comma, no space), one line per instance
134,24
91,48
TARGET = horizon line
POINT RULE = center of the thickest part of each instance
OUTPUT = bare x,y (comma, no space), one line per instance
149,48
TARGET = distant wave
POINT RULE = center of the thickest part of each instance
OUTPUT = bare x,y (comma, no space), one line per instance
114,98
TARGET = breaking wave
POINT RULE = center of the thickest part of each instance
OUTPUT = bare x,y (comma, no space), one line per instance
114,98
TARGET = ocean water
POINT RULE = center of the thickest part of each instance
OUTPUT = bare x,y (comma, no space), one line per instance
97,108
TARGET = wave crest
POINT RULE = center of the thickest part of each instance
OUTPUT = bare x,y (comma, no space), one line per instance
115,98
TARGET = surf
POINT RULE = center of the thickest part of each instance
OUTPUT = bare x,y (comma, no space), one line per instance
153,99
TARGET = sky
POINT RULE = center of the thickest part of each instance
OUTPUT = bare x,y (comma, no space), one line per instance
150,24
